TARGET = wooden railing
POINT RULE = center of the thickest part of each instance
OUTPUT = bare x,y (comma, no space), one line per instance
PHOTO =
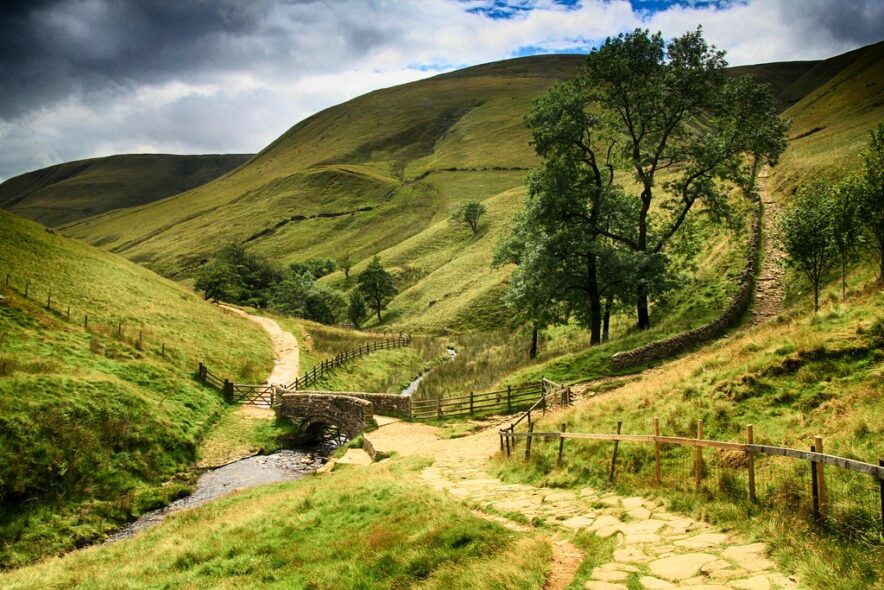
318,371
851,508
234,393
476,403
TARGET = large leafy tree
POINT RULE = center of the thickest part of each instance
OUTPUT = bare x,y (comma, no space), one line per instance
376,286
642,106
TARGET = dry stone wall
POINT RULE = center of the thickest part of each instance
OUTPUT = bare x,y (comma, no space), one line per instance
349,414
385,404
738,306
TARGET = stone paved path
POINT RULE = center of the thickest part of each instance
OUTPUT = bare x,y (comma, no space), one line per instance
659,548
770,286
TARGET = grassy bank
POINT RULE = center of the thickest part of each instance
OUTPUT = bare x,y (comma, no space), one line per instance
343,531
791,379
94,426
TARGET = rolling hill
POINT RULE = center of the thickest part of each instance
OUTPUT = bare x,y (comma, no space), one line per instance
379,175
67,192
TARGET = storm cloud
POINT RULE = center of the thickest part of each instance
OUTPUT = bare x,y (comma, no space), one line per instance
83,78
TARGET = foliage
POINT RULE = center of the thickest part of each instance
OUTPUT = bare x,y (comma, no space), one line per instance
238,276
870,193
317,267
356,309
301,296
345,263
470,213
376,285
805,230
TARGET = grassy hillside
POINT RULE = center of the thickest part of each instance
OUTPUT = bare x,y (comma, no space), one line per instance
94,424
381,173
394,533
64,193
830,123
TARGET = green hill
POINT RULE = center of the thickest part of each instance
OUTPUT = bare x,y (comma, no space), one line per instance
95,421
380,174
67,192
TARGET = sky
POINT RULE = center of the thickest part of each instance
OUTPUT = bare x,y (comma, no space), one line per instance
86,78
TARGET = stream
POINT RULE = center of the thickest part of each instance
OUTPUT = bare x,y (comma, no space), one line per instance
412,387
250,472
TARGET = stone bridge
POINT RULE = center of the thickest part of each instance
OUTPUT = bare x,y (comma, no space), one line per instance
349,412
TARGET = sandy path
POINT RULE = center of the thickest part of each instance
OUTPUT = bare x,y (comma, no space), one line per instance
770,286
286,357
660,548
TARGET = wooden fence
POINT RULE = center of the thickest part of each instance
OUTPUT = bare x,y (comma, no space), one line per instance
849,499
318,371
112,328
501,401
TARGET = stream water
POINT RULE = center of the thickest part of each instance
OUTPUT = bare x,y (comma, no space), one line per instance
412,387
254,471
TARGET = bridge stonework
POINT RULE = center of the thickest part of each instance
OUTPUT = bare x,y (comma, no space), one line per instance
350,412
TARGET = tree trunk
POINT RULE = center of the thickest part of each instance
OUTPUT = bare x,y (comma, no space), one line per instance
641,305
378,309
816,297
843,279
595,303
533,352
606,322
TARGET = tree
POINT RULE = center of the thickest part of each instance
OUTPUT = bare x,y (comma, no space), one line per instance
218,281
345,263
870,194
469,213
298,294
376,286
846,226
662,107
318,267
356,310
805,230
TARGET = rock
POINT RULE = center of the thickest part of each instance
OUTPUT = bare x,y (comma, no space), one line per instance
619,567
630,555
642,527
750,557
609,575
639,513
594,585
640,539
578,522
608,531
703,541
604,522
680,567
633,502
559,497
654,583
754,583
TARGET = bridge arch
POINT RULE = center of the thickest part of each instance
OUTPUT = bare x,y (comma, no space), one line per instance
311,412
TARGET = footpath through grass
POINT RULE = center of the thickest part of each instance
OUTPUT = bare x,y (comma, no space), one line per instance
347,530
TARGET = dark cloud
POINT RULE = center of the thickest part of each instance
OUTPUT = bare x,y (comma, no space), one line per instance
852,22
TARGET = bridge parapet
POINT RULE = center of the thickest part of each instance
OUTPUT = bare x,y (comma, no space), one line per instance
310,411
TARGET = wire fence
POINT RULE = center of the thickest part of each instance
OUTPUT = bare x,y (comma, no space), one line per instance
842,495
138,336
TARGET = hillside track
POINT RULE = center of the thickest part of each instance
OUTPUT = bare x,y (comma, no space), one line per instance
770,286
662,549
286,355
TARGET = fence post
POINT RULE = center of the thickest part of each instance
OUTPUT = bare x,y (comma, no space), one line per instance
49,300
614,454
140,339
471,403
750,439
27,288
69,313
699,460
509,401
507,445
500,434
821,475
814,488
529,417
439,408
228,391
120,329
657,450
528,443
85,321
561,445
881,481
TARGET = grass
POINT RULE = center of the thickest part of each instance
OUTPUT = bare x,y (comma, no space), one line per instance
67,192
341,531
94,427
791,379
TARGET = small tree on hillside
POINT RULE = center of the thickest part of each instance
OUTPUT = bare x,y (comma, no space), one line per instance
357,309
870,194
345,263
846,226
376,286
805,230
469,213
